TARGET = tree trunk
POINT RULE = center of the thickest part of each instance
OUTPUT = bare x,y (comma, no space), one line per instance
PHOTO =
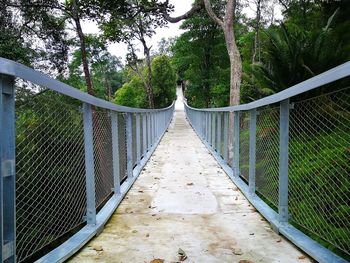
149,77
81,36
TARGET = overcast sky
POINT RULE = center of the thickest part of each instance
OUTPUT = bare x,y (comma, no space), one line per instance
172,30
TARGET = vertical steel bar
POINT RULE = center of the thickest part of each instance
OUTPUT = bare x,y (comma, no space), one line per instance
115,153
283,162
213,130
218,135
129,161
144,134
236,120
252,151
89,164
8,173
138,139
209,128
226,116
148,131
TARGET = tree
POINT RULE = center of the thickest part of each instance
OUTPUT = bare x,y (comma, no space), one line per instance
164,81
131,94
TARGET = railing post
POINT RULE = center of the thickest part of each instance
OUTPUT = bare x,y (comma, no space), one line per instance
283,162
8,173
213,131
89,164
209,128
129,161
144,134
236,131
252,151
148,131
138,139
218,135
115,152
225,154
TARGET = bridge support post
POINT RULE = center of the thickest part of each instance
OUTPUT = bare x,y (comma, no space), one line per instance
236,119
144,134
252,151
89,164
209,128
225,153
138,139
8,173
218,135
115,153
213,131
129,161
148,131
283,163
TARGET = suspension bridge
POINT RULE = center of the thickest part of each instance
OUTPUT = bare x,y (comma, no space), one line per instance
85,180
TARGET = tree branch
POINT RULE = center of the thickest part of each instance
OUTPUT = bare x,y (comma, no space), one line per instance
195,8
212,14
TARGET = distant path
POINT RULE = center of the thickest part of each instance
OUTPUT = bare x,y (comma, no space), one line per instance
183,199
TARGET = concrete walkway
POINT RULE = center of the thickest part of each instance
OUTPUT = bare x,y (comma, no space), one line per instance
183,199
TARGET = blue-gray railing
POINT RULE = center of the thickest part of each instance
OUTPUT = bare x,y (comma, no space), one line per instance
290,156
67,160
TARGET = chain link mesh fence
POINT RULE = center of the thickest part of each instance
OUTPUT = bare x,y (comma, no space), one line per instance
50,167
267,154
319,150
103,159
244,146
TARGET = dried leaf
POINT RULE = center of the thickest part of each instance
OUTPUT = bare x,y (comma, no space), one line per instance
97,248
279,240
181,255
237,251
189,183
147,235
134,231
245,261
140,191
302,257
157,260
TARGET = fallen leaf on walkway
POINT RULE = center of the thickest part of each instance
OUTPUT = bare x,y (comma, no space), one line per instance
237,251
147,235
156,178
302,257
181,255
189,183
154,214
140,191
134,231
97,248
253,210
252,234
141,200
279,240
245,261
157,260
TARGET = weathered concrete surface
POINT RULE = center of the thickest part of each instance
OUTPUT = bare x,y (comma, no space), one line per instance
183,199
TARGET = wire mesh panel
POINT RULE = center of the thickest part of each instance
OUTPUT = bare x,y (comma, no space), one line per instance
103,160
267,154
319,187
244,145
122,146
51,197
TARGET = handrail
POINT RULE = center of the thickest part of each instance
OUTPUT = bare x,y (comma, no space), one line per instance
324,78
281,158
97,155
15,69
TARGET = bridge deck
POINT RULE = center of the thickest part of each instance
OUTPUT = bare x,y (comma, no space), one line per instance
183,199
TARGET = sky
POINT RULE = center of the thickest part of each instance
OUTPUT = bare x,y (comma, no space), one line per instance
172,30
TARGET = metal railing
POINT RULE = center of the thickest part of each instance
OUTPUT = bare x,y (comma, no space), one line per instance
290,156
67,160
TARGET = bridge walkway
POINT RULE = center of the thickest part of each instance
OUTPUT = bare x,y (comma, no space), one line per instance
184,200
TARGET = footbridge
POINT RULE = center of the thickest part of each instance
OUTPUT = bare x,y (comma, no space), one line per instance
85,180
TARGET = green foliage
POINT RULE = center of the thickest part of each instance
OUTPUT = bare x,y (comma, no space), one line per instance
132,94
163,81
